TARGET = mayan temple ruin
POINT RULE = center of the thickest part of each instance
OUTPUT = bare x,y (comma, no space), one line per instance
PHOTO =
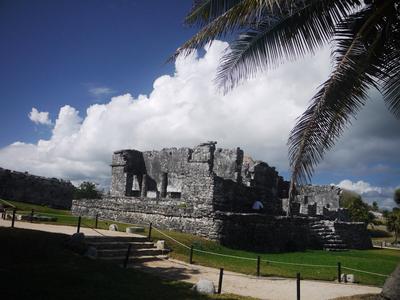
210,192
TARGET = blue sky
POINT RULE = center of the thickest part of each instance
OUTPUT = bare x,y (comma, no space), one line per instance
53,52
80,79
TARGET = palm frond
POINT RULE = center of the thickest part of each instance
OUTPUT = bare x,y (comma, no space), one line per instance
391,72
340,97
240,15
204,11
243,13
391,88
281,37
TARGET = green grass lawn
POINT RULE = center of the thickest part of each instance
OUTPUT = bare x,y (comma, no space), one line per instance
375,260
36,265
381,261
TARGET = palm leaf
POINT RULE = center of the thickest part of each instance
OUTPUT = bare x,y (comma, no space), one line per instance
340,97
281,37
240,15
203,11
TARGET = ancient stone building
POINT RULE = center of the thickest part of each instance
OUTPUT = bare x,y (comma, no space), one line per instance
206,191
199,176
319,200
25,187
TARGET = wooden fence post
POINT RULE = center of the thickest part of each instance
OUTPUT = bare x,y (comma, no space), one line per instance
78,229
339,272
128,253
298,285
13,218
221,275
150,227
96,221
191,255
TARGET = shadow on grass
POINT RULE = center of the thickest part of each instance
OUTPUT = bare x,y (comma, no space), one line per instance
35,265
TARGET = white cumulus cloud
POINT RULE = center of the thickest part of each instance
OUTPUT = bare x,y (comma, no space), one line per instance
101,91
39,117
369,193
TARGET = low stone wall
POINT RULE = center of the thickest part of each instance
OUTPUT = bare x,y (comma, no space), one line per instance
260,232
25,187
354,234
257,232
170,214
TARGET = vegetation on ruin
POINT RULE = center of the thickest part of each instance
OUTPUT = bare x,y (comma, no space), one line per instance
365,40
87,190
359,211
36,265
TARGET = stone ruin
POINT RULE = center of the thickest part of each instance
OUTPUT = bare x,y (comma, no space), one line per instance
25,187
209,192
321,201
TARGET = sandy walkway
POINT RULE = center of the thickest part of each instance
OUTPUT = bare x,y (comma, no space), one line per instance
264,288
236,283
62,229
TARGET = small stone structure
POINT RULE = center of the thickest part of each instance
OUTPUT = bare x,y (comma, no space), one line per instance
205,191
24,187
319,200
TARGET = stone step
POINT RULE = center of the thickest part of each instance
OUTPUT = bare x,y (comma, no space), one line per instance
338,246
133,259
335,249
319,226
133,253
121,245
108,239
334,241
322,230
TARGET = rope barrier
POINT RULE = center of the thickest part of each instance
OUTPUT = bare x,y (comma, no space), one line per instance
183,245
367,272
90,227
8,203
263,260
297,264
225,255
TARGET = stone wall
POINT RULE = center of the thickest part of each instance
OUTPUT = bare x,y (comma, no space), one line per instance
354,234
322,201
24,187
325,196
257,232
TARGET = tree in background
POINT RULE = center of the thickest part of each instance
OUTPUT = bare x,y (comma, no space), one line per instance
87,190
366,52
358,210
396,196
393,218
393,223
375,206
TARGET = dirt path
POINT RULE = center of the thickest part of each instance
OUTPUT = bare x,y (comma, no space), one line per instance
274,288
62,229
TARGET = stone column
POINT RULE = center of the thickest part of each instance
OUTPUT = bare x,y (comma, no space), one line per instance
164,184
143,191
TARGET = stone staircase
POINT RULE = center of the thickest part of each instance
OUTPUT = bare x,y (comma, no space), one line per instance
114,249
324,233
